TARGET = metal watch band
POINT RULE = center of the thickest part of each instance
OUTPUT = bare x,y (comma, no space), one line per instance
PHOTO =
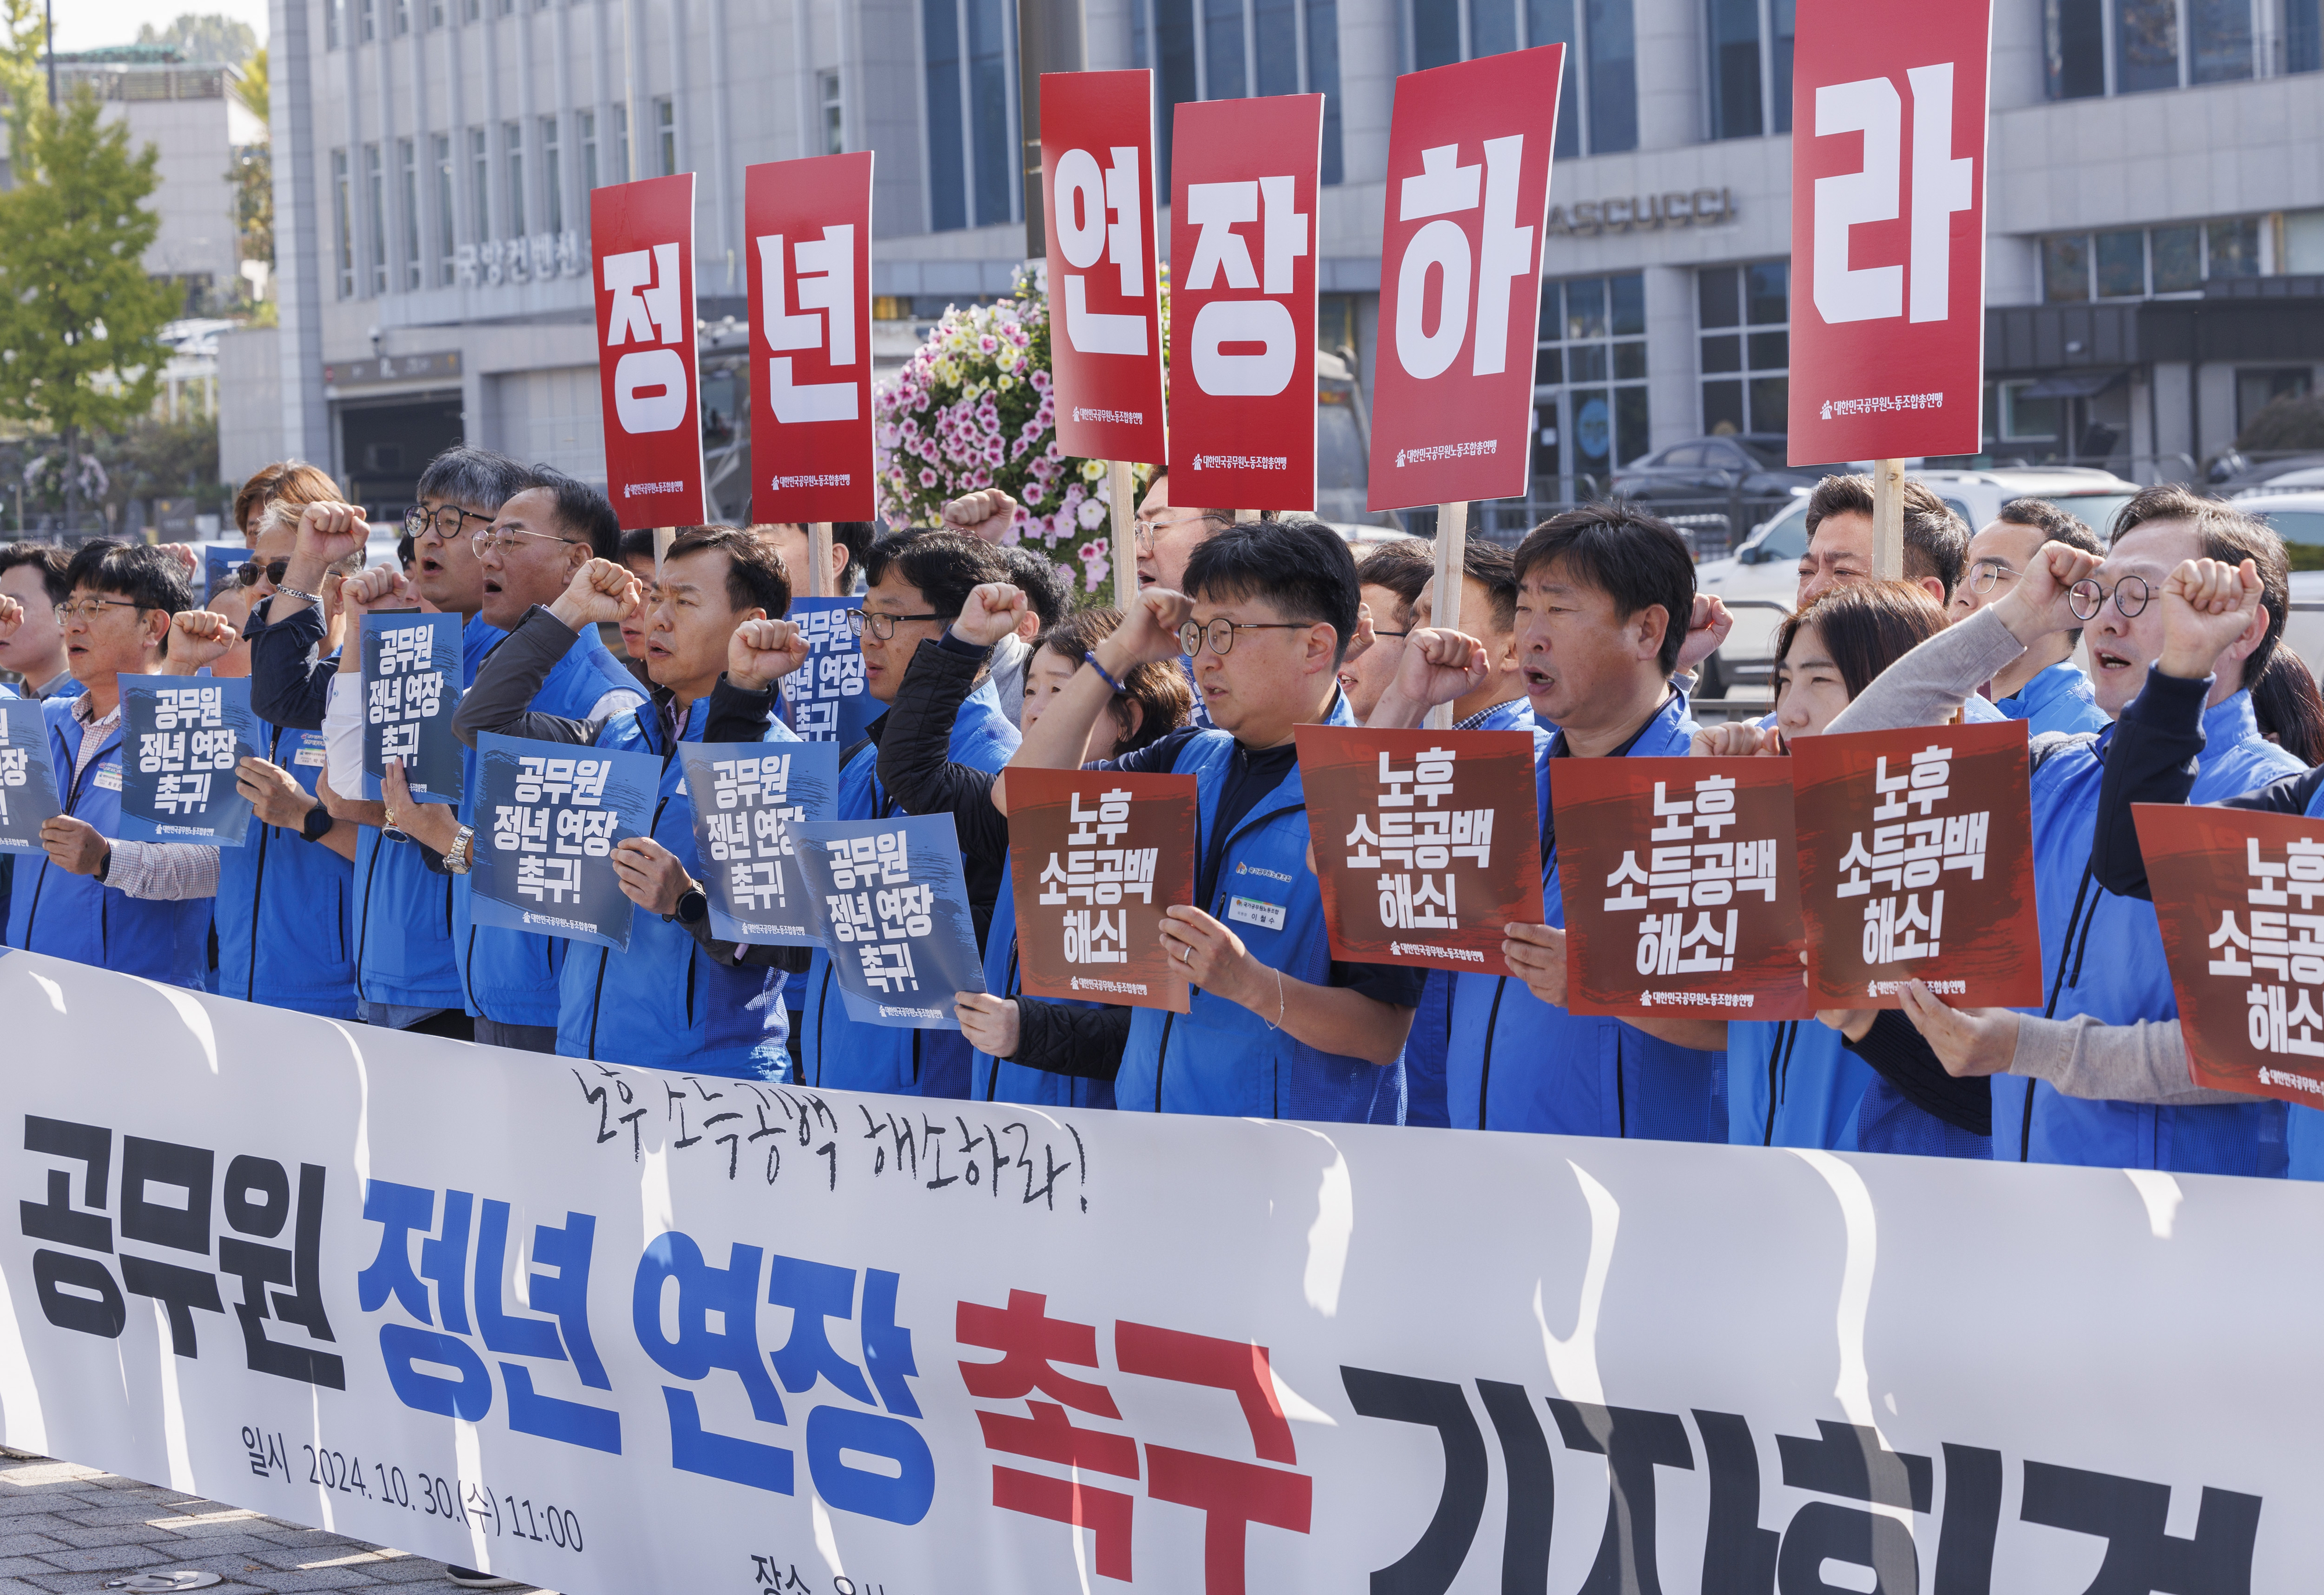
314,598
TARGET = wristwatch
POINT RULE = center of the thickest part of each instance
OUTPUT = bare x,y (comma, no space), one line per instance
693,906
462,854
311,829
314,598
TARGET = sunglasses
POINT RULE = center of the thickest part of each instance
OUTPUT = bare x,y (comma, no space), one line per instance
249,571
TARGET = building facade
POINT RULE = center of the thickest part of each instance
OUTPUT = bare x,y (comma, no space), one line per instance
2156,203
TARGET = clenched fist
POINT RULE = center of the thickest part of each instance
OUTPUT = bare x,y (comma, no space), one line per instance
994,611
763,652
600,591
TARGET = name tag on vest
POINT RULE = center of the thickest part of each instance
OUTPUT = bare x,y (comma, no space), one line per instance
310,750
107,778
1251,911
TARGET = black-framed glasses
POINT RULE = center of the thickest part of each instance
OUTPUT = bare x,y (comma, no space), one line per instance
1989,575
250,572
445,520
1376,632
88,609
2087,597
1221,632
882,626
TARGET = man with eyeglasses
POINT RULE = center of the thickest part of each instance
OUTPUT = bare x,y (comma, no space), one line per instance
2044,687
919,582
139,908
1276,1029
1388,580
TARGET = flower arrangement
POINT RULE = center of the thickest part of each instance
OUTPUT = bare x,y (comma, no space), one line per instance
975,408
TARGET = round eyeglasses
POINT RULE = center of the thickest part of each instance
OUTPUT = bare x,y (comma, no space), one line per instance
2087,597
1989,575
1221,632
445,520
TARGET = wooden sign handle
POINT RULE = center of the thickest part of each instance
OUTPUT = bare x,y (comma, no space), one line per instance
818,560
1125,535
1888,520
663,537
1452,576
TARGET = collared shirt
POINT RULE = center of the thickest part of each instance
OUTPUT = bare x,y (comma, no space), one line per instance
161,871
1477,720
59,682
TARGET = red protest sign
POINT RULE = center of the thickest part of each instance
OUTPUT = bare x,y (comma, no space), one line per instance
1426,843
1096,856
641,245
1679,879
1917,863
1889,173
1243,176
1105,318
809,225
2240,899
1468,191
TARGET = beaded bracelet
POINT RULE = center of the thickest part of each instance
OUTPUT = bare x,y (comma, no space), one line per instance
1089,657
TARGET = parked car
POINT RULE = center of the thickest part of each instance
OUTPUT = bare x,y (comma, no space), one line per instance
2298,519
1748,464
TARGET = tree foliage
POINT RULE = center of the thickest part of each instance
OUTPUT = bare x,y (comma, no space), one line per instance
252,88
2289,423
22,39
209,36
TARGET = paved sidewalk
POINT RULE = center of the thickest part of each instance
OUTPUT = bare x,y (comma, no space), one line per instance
66,1527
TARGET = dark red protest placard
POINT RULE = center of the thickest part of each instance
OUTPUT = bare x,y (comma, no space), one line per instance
1888,176
1242,235
2240,897
1468,192
1105,316
1096,856
1427,843
1679,879
641,260
1917,863
808,223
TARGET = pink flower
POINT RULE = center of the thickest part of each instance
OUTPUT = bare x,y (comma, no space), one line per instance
927,478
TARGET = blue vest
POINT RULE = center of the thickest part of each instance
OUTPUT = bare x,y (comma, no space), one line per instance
1516,1062
665,1003
1219,1056
78,917
2057,699
2303,1128
284,905
70,689
998,1080
839,1052
511,976
1791,1082
2102,956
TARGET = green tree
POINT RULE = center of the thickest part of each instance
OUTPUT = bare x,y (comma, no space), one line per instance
78,315
210,36
23,38
251,90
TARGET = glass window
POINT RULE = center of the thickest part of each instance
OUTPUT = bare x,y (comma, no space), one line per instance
334,22
1608,43
1274,30
588,123
1756,296
1767,293
1548,367
1722,354
1435,33
2303,36
1599,94
370,27
1589,394
442,147
480,181
1585,308
2024,419
621,143
435,14
1783,16
407,161
2074,49
1722,407
1223,75
513,146
1627,300
343,223
991,48
835,112
1492,27
1770,399
376,212
1323,76
2234,249
2222,31
403,17
1734,34
1715,294
2146,45
1587,362
1630,361
947,190
2122,265
1551,22
2178,260
1770,351
969,45
2066,268
666,135
552,177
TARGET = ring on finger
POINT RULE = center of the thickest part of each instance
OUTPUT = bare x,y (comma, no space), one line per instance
1185,953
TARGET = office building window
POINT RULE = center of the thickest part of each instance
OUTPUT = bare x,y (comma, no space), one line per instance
376,211
1750,67
1743,314
552,178
403,17
513,149
971,49
2101,46
366,9
1198,51
343,223
334,22
480,183
621,143
1597,103
588,123
1590,383
407,163
835,112
440,146
665,113
2139,262
435,14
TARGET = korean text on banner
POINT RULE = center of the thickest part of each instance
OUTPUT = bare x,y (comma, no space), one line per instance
2240,896
1467,193
641,237
1427,843
891,904
181,737
1681,883
746,796
824,700
809,226
1243,394
1105,307
1095,858
1917,863
411,688
1888,178
28,775
549,815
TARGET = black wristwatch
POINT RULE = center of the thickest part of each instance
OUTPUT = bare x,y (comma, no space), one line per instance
311,829
693,908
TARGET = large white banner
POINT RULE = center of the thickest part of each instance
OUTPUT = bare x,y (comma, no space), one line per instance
613,1330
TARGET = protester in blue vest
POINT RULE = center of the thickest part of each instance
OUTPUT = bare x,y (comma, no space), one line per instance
716,644
2101,953
33,575
1276,1029
1390,578
1027,1049
918,583
2044,688
139,908
1605,595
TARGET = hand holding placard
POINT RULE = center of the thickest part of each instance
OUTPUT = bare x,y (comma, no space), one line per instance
1535,955
2208,605
1970,1042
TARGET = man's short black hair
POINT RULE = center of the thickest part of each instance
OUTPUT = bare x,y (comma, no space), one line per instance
479,478
946,566
1492,567
857,538
755,578
1044,583
139,572
580,509
636,545
1936,543
2223,532
1403,568
1300,565
1634,560
51,561
2054,524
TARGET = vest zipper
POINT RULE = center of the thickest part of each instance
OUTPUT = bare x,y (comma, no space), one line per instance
362,926
258,883
597,1001
1779,1073
1621,1097
1493,1024
2058,989
822,1005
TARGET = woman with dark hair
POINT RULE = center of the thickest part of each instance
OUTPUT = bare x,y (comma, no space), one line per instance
2289,708
1857,1082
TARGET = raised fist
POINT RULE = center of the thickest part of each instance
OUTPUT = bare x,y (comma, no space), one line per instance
12,615
2207,606
1148,633
599,591
1706,629
763,652
382,586
984,515
329,531
994,611
203,637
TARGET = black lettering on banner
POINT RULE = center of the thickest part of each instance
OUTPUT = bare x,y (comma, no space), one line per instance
161,1223
298,1267
1429,1567
2130,1513
79,1293
179,1290
1850,1461
1533,1488
55,1220
1972,1518
1738,1556
1821,1530
1634,1443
